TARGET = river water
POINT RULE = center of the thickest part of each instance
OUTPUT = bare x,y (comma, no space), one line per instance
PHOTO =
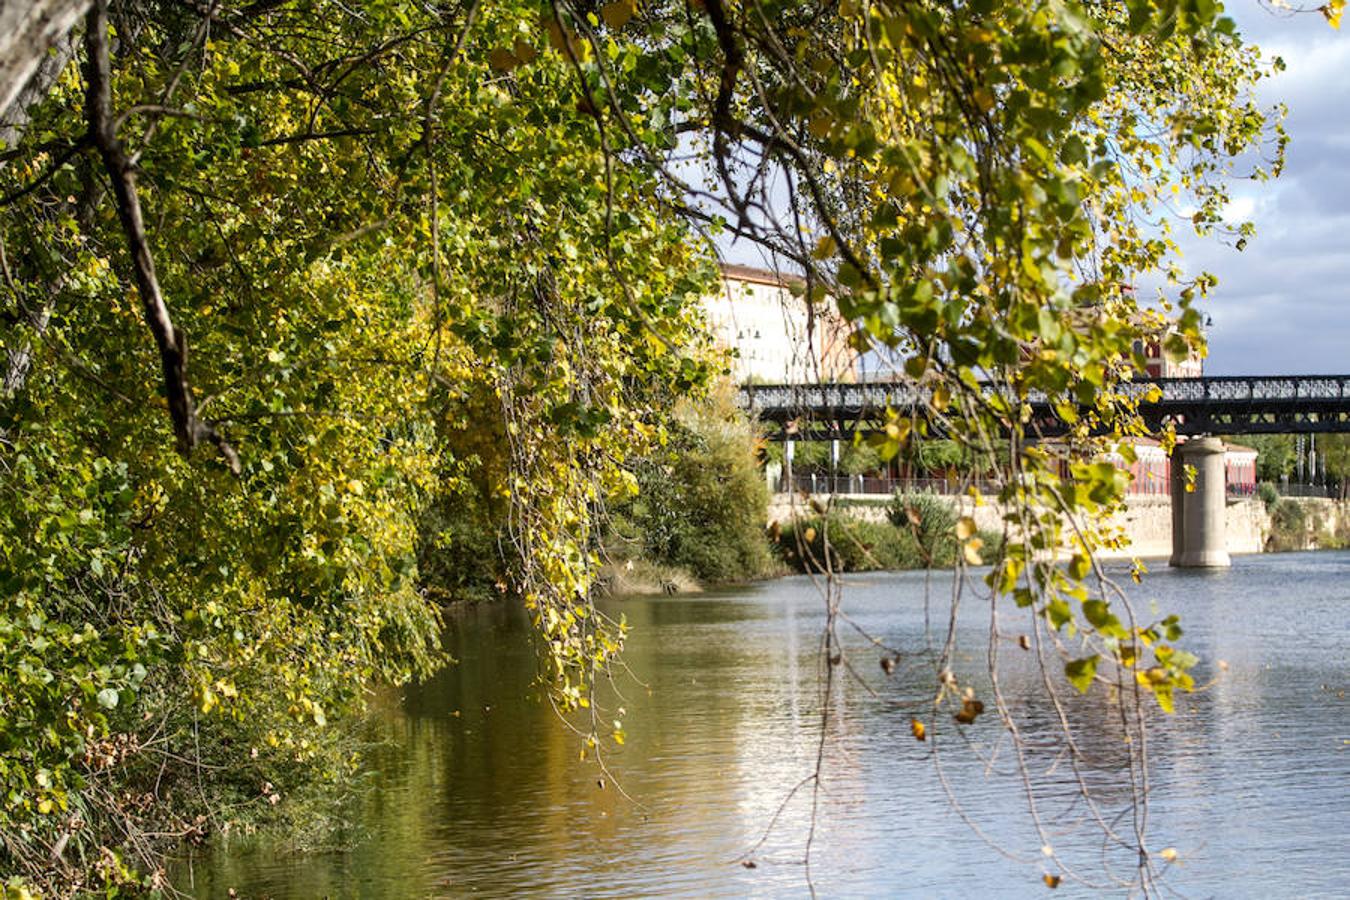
478,789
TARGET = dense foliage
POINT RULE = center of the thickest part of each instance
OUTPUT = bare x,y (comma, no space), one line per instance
366,293
381,228
702,500
918,531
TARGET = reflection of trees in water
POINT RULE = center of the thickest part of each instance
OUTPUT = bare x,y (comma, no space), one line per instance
492,798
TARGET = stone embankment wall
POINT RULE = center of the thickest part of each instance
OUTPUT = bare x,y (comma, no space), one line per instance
1147,521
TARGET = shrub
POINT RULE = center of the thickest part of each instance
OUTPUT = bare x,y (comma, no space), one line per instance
702,503
811,456
1288,526
859,459
932,521
1268,494
855,545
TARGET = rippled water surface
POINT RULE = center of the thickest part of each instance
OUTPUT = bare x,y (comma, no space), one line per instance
479,789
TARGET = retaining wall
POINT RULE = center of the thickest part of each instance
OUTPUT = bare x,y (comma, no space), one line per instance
1147,521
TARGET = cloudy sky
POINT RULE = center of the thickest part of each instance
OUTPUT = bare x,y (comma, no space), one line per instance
1283,304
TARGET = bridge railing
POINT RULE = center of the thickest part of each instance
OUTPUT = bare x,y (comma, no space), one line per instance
1230,404
878,485
1211,387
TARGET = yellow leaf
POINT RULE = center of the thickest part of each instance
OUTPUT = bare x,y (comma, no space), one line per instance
970,710
899,429
502,60
617,14
1170,854
971,550
917,729
810,535
965,528
1051,881
1332,12
942,398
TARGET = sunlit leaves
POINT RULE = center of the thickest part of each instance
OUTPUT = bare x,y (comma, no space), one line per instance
1332,12
293,239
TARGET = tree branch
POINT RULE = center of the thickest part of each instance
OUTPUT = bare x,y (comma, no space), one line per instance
188,429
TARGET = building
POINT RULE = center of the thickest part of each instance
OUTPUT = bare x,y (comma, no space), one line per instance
1151,471
775,336
1157,365
1239,464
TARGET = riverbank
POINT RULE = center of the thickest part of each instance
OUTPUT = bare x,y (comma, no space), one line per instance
1252,524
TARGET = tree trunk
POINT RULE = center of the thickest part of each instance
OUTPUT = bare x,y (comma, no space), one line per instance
29,29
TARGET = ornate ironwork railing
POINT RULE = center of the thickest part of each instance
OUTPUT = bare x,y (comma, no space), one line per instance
1227,404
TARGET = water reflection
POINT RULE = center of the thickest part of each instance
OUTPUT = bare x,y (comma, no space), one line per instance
480,791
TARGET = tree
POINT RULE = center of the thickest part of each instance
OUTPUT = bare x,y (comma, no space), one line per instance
28,32
355,219
366,233
1334,450
1274,455
977,187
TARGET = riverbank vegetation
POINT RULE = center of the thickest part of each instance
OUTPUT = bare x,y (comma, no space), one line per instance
920,531
700,507
439,268
1304,523
1325,460
1308,524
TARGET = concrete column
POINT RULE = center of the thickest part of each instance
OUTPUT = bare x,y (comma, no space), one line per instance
1201,512
1176,487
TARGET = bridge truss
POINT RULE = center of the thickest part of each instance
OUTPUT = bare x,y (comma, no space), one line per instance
1224,404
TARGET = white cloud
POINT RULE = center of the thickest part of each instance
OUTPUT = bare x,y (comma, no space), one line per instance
1283,305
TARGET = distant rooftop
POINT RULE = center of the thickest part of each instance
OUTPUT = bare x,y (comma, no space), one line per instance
754,275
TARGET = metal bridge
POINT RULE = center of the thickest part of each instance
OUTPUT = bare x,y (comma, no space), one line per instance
1225,404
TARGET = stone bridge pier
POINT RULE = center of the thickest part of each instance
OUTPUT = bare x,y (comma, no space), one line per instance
1198,525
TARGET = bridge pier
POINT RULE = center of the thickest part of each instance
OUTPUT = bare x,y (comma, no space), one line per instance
1199,529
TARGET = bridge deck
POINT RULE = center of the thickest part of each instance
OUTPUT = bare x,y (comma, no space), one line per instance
1224,404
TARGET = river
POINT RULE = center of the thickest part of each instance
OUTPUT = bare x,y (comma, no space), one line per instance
477,789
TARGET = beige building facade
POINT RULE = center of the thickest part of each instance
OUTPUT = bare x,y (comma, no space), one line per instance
774,335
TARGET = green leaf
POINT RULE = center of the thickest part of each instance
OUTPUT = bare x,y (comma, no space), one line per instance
1059,613
1080,672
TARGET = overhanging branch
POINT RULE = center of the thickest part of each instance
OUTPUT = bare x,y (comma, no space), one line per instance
188,428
